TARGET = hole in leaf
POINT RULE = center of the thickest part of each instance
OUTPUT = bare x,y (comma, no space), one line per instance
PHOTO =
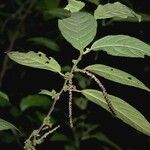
47,62
129,78
40,54
111,69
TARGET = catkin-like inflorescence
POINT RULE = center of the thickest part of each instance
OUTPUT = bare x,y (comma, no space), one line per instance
70,103
110,106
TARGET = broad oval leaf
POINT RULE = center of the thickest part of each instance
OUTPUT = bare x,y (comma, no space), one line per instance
79,29
122,45
74,6
34,101
4,125
35,60
115,10
124,111
116,75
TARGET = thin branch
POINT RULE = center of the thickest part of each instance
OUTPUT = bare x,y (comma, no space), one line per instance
62,89
49,132
53,105
36,135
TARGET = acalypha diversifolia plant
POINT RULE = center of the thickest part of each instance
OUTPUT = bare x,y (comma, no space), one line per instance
79,29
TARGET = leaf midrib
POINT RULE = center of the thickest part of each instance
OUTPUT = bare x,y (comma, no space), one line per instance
122,114
113,75
36,60
117,45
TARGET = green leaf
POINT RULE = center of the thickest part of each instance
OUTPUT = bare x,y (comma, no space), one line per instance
52,94
115,10
122,45
45,42
4,125
34,101
48,4
4,100
15,112
83,82
124,111
35,60
40,116
144,18
58,12
79,29
81,103
46,92
3,96
74,6
116,75
96,2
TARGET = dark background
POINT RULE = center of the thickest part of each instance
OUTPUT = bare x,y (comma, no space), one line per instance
20,81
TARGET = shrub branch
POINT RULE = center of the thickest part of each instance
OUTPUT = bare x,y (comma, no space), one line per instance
36,138
105,94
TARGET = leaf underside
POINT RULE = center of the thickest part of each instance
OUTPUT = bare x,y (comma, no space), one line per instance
4,125
116,75
74,6
122,45
124,111
115,10
35,60
79,29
